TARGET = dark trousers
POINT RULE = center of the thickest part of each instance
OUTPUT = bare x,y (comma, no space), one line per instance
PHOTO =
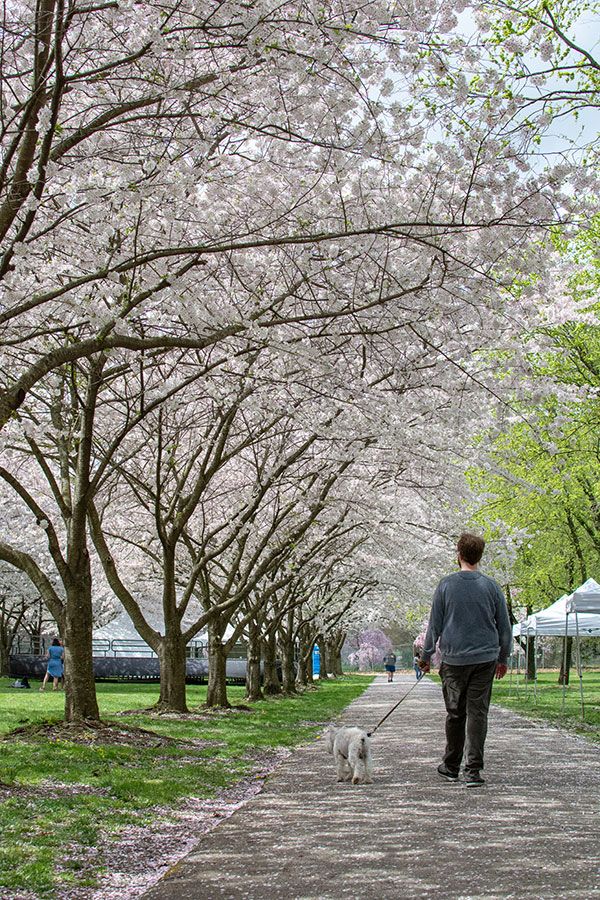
467,692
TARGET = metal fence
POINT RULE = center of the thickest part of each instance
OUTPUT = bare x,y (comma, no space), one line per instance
28,645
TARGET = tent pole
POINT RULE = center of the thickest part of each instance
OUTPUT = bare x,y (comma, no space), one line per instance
579,671
527,663
564,667
535,668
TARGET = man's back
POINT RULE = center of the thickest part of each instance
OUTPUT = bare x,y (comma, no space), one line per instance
469,615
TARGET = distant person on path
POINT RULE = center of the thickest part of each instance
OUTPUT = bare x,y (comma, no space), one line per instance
389,661
55,668
418,671
470,617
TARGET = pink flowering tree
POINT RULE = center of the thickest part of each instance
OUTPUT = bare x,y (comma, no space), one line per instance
373,644
420,643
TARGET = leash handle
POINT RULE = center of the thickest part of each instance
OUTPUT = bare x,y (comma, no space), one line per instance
388,714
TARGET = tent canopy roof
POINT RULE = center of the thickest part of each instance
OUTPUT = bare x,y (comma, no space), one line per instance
585,599
554,619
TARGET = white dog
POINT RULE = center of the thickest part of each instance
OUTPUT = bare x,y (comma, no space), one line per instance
351,749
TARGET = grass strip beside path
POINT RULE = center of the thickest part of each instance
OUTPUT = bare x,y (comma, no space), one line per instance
545,704
61,793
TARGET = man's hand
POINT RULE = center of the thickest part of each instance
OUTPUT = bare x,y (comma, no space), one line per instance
424,666
501,670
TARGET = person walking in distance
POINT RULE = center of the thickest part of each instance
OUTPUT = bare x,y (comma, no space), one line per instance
470,617
418,671
389,661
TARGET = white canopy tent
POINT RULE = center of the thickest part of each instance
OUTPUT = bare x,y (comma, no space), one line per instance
572,615
583,606
555,620
586,599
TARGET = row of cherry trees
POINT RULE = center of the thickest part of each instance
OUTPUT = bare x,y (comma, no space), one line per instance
255,274
258,512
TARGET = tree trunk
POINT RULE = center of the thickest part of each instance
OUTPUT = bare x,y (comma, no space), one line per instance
330,653
172,661
172,648
253,689
216,694
309,666
509,603
4,659
80,687
565,663
305,659
288,674
271,682
530,660
335,655
302,673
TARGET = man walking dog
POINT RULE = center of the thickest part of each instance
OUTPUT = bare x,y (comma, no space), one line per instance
470,618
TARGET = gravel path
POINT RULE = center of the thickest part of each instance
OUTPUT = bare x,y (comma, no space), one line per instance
531,832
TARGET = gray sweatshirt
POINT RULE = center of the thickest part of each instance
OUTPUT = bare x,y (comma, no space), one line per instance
470,617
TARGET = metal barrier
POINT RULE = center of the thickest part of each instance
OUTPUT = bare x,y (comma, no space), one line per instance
101,647
26,644
125,659
129,647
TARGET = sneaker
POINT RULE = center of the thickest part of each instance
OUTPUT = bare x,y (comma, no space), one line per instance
447,774
474,779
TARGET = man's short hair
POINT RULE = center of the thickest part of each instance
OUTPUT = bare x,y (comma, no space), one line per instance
470,547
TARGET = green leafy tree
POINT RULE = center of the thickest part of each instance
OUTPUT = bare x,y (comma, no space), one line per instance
539,484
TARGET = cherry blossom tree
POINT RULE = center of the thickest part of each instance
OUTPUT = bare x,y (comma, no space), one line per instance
557,72
195,202
129,191
54,472
152,160
19,606
223,491
273,630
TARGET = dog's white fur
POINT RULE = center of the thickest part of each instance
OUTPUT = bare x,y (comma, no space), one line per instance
351,749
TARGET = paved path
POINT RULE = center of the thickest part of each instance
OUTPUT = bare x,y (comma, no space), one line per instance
531,832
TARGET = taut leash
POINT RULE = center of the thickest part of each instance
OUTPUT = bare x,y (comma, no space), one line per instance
396,705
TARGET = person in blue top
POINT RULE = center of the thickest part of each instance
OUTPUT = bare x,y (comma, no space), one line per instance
55,668
418,671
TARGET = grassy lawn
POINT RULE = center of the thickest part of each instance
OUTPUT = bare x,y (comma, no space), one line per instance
546,702
59,796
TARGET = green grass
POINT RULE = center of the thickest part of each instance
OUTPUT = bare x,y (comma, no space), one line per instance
59,797
545,703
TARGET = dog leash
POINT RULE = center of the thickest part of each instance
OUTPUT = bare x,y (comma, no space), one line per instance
396,705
